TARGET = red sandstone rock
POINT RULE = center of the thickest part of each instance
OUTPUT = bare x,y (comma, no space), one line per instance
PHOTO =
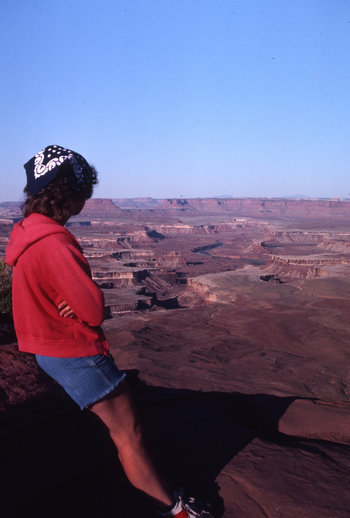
263,207
244,387
100,207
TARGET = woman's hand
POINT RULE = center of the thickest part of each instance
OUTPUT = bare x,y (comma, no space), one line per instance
65,310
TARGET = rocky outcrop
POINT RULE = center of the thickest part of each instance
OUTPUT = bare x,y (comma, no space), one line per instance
105,243
100,208
262,207
133,254
308,267
310,260
243,384
137,203
119,278
183,229
271,278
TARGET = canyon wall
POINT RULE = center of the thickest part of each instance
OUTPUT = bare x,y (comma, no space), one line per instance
100,207
262,206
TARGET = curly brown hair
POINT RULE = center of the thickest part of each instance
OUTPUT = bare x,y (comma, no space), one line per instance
55,200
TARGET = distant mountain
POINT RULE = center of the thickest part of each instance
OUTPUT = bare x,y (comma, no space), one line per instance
137,203
298,196
100,207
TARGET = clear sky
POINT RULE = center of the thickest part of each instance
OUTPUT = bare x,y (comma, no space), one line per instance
170,98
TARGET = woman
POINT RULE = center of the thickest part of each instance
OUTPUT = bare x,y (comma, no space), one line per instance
58,311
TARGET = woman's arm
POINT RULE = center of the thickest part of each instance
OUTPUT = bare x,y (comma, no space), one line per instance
69,275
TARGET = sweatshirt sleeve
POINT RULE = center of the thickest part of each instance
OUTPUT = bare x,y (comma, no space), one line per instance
69,275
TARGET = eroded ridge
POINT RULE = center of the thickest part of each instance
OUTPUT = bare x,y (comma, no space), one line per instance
236,316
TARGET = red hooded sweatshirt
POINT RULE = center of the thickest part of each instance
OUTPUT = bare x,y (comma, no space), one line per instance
49,267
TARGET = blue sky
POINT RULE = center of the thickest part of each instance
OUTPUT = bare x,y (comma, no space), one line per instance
170,98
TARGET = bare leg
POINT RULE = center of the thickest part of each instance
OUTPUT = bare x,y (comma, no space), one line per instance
120,416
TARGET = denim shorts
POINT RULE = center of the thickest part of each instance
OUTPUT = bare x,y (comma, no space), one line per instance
86,379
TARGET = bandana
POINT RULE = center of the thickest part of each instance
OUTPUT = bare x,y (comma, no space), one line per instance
45,166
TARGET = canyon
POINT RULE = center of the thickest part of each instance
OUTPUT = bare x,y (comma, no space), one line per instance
231,319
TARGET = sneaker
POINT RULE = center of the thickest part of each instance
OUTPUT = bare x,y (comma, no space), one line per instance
187,507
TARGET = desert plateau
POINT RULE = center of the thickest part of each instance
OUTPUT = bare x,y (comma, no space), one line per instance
231,318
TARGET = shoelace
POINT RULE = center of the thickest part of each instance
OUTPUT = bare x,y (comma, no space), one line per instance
190,505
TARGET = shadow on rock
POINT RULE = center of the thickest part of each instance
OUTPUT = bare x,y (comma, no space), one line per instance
57,459
7,330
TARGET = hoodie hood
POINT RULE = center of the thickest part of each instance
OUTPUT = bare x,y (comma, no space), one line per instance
29,231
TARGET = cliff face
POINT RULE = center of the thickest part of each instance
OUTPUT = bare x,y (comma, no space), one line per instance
257,370
261,206
137,203
100,207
